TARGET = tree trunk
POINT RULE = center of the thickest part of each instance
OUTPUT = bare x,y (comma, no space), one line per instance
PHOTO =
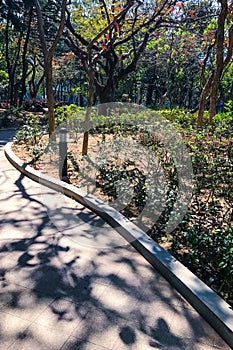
202,107
106,96
88,116
219,58
210,89
190,95
48,58
162,99
34,87
149,94
25,65
213,101
49,92
9,67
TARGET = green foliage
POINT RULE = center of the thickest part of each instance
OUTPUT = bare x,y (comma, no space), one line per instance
64,114
182,117
3,79
112,175
229,107
204,237
31,132
14,111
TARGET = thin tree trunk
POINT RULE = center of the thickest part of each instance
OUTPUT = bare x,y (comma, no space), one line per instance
213,101
210,89
202,107
50,97
204,99
219,58
9,70
88,116
48,58
25,48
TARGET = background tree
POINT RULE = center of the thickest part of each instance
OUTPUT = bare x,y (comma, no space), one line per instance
163,54
16,18
109,38
48,49
223,48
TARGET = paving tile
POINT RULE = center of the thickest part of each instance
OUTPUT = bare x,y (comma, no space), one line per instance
115,254
188,324
27,305
174,343
56,281
8,256
11,329
134,336
101,273
84,291
146,281
84,258
87,235
22,277
159,286
100,328
151,312
37,337
114,298
7,291
183,303
103,315
216,339
77,344
61,315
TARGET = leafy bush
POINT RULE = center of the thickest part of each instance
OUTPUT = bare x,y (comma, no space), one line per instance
182,117
204,239
111,175
63,114
31,131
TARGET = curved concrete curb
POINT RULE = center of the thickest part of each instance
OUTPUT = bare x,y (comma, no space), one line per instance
214,309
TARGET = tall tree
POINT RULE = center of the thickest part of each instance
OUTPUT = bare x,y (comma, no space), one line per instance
222,48
109,37
48,48
16,18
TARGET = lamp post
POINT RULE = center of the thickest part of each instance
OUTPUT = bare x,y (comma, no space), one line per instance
138,92
63,154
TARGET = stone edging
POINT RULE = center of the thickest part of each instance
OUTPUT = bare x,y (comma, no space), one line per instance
213,308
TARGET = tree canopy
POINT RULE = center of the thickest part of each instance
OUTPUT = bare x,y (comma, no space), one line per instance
160,53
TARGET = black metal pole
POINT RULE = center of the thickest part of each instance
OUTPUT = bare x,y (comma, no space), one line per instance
63,154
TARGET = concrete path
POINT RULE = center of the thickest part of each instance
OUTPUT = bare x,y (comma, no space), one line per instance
59,291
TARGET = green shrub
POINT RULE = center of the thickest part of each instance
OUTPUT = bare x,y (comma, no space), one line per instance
64,114
31,131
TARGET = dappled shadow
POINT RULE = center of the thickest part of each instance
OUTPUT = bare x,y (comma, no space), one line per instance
114,295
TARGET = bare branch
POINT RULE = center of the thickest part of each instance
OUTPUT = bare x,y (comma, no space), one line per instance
105,10
41,27
118,17
60,29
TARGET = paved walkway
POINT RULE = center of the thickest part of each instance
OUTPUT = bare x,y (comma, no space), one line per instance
57,292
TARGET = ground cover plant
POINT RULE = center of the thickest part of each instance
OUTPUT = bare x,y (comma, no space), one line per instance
203,241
